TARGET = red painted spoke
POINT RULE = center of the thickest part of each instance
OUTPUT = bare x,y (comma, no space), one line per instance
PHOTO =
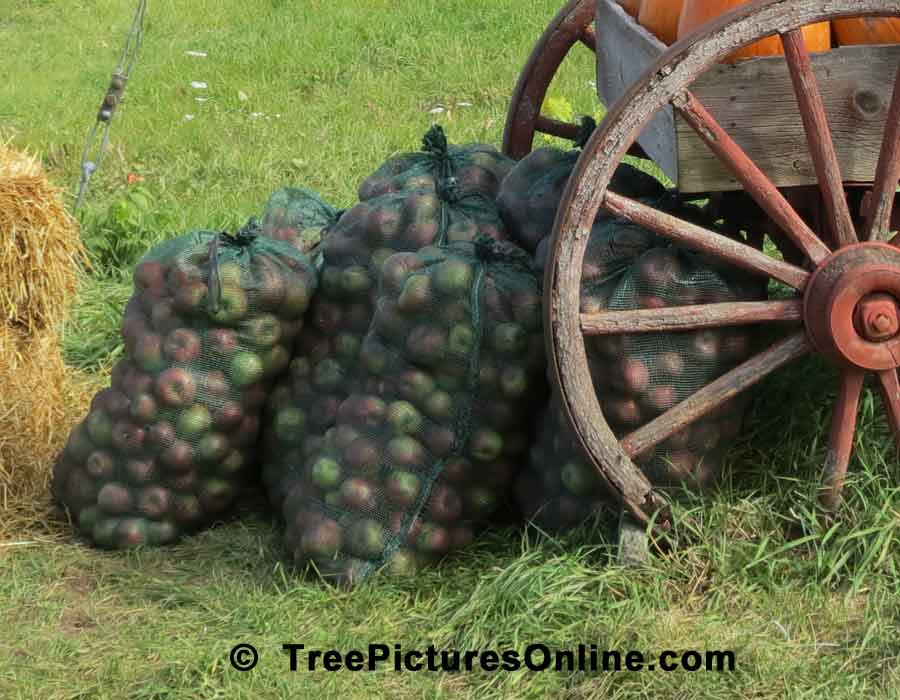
818,136
890,392
840,444
699,238
554,127
881,206
589,38
713,395
751,177
688,318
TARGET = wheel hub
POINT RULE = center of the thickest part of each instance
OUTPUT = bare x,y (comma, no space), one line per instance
851,307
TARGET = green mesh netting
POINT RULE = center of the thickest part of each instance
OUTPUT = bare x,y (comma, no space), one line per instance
639,376
559,489
428,447
530,195
324,371
298,216
167,447
472,169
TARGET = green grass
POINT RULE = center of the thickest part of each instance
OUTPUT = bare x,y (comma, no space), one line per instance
810,614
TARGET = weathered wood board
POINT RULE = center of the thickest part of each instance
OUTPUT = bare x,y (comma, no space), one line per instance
755,102
624,50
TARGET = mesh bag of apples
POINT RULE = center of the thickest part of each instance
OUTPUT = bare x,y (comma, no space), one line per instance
530,195
639,376
430,444
434,197
298,216
168,446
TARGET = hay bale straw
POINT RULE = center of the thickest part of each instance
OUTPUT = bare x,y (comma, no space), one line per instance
41,400
40,246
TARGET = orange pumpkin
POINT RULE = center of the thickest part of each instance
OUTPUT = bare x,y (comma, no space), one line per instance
661,17
697,12
632,7
867,30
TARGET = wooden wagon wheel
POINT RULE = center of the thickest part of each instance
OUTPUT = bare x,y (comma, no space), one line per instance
572,25
846,298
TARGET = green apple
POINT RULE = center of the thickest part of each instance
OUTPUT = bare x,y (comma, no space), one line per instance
509,338
326,473
416,295
486,445
402,488
366,538
296,300
439,406
230,274
275,360
404,417
402,563
263,330
290,425
213,448
246,368
232,306
100,428
453,277
193,422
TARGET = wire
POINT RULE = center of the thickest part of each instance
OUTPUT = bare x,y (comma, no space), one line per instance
92,156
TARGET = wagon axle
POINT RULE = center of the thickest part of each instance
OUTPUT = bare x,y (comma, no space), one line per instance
851,310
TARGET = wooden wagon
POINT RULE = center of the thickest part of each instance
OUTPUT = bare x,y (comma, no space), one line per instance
806,146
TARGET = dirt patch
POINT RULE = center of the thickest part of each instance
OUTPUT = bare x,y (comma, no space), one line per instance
76,621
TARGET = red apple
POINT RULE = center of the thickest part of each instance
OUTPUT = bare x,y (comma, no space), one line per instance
227,416
114,498
148,353
164,318
215,384
190,298
176,387
137,383
182,345
182,273
143,409
127,437
179,456
141,471
154,502
268,280
101,465
161,436
222,342
150,276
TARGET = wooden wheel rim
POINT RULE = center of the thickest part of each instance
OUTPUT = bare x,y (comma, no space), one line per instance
572,24
667,81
